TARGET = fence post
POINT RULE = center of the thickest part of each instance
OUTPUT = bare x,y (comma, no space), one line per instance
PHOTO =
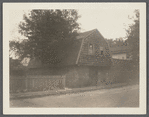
63,82
33,83
26,84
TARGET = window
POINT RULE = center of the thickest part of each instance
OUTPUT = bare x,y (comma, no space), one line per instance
101,50
90,50
91,46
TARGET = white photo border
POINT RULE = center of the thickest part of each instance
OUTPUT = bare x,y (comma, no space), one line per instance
95,5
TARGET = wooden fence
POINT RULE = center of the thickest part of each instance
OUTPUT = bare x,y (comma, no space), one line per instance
37,83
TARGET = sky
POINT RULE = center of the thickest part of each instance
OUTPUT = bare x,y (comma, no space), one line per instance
110,23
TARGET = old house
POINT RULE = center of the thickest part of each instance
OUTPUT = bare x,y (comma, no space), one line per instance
87,62
121,52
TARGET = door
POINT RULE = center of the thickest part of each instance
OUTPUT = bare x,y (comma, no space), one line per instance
93,75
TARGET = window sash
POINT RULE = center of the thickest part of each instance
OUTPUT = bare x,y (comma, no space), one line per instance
90,49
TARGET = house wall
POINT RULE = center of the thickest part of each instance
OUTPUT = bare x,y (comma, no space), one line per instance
98,75
96,58
103,77
119,56
77,76
83,76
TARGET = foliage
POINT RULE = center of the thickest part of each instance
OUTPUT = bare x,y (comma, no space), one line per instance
15,67
119,42
133,37
16,49
14,63
49,34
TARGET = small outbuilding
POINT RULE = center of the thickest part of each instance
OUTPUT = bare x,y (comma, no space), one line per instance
122,53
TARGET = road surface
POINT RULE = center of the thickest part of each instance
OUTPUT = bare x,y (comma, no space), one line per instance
127,96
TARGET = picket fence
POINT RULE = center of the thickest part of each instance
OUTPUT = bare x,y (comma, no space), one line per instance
37,83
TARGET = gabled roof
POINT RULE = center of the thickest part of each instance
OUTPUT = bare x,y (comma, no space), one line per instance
72,54
120,50
85,34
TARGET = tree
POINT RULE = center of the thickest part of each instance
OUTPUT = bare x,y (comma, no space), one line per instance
14,49
133,37
119,42
49,34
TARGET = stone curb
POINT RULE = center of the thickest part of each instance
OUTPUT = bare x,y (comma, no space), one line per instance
60,92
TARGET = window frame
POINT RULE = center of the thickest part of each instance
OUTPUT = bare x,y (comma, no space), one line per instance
89,49
101,50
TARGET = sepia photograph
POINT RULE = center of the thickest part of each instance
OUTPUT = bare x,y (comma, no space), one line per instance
86,57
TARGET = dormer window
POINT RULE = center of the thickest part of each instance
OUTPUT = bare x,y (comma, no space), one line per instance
90,50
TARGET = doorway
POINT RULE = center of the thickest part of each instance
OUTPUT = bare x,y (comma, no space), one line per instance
93,75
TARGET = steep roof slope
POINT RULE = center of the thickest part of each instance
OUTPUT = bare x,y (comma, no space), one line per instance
71,54
85,34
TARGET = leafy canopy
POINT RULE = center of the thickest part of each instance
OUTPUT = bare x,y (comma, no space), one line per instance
134,36
49,34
